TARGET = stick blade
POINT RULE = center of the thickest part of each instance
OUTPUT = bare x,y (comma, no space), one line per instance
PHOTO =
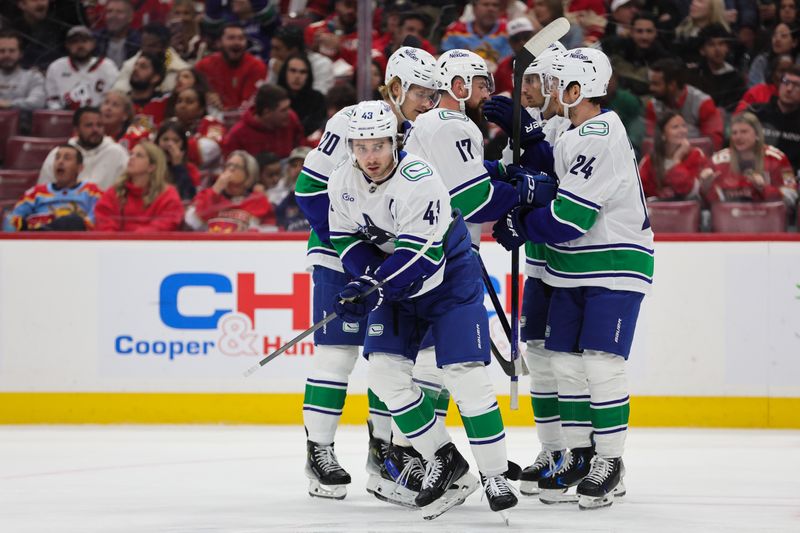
547,35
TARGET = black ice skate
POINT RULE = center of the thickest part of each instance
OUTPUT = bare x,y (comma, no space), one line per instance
326,477
575,467
401,477
546,463
598,489
500,494
375,457
447,482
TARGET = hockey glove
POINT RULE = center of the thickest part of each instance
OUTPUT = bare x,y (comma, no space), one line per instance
496,170
509,230
536,190
538,158
353,303
500,110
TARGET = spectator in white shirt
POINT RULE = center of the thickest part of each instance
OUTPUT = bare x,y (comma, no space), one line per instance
103,159
20,88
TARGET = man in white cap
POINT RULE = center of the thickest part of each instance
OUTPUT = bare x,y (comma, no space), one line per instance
79,79
519,31
622,13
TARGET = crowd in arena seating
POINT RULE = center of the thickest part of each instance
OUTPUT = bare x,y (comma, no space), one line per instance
162,115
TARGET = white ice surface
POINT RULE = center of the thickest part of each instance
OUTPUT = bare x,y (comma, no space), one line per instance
250,479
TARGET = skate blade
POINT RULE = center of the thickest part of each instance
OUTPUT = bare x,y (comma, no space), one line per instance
330,492
589,503
390,492
529,488
556,496
455,495
620,490
372,483
505,516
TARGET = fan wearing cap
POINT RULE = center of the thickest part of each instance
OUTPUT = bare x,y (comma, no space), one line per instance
409,90
391,223
599,261
621,19
79,79
519,31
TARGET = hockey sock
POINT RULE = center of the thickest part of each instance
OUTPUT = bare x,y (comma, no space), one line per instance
380,417
573,399
610,407
412,411
442,403
326,390
474,394
544,396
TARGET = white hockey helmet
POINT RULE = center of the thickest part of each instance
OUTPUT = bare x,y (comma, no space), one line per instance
541,67
588,67
372,119
462,64
412,66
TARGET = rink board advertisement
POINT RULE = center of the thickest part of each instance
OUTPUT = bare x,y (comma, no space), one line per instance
172,321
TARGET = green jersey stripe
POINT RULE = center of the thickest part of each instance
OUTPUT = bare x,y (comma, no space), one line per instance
600,261
573,213
473,198
609,417
483,426
434,253
308,184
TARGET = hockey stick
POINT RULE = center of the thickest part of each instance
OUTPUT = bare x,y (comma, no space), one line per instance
535,46
331,316
505,364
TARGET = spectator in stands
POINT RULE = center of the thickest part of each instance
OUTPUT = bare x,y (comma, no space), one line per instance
780,117
232,72
629,108
337,36
231,204
149,104
185,30
288,214
270,177
258,18
118,41
155,41
519,31
787,12
184,175
103,159
410,23
144,12
296,78
590,15
269,125
116,116
622,13
65,204
20,88
784,41
632,56
79,79
287,41
486,35
670,91
674,170
43,34
205,131
714,75
702,13
141,200
762,92
339,97
666,15
509,10
751,170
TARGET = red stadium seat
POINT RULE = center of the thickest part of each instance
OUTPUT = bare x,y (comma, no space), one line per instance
13,183
740,217
52,124
674,217
9,124
704,143
28,153
229,118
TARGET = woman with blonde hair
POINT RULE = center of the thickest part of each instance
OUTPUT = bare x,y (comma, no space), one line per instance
702,13
750,170
230,204
141,200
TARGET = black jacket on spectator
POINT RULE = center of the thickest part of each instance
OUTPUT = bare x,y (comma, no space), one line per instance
43,43
307,103
132,43
781,130
725,88
631,63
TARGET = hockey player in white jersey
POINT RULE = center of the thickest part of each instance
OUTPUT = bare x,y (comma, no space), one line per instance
543,109
409,85
391,223
599,261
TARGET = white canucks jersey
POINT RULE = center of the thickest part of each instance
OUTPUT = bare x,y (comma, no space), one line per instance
312,183
409,209
600,193
69,86
453,144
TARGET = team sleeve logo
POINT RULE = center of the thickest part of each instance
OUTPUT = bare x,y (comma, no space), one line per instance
415,171
598,127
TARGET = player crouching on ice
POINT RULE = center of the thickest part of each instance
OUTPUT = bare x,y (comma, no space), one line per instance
390,222
599,261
